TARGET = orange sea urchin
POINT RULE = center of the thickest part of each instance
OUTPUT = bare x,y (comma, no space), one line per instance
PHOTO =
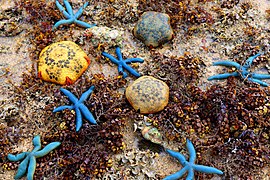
62,63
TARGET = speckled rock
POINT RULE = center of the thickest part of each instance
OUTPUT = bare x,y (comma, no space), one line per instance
153,29
148,94
105,36
62,63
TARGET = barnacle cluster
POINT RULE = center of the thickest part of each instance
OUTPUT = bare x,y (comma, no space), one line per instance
136,164
104,37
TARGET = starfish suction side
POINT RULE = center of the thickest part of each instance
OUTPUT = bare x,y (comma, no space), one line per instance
29,162
189,166
122,64
71,17
78,106
242,71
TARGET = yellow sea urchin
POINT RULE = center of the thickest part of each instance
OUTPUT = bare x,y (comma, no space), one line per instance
62,63
148,94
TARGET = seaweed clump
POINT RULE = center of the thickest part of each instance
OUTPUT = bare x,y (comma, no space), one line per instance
232,119
180,11
41,15
87,153
175,70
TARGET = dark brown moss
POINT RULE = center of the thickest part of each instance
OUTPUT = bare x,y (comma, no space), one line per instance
88,152
179,11
229,118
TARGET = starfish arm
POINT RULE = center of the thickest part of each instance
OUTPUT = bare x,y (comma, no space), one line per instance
250,60
62,9
69,8
121,70
131,70
178,156
87,114
17,157
80,11
78,119
190,175
84,24
22,168
124,74
61,108
37,144
207,169
113,59
227,63
118,53
86,94
48,148
191,150
132,60
260,76
177,175
63,21
31,168
223,76
70,96
258,81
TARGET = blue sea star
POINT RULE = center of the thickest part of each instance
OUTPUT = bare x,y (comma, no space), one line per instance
78,106
122,64
189,166
242,71
29,161
71,17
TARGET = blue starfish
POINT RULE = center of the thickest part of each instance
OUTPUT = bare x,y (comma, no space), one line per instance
190,165
29,161
71,17
241,71
78,106
122,64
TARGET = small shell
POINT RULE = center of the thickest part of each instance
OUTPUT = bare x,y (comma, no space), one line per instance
152,134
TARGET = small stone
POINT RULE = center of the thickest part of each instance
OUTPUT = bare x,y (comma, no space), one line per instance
62,63
153,29
148,94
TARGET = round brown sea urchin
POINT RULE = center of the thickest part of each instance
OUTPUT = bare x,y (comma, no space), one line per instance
148,94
